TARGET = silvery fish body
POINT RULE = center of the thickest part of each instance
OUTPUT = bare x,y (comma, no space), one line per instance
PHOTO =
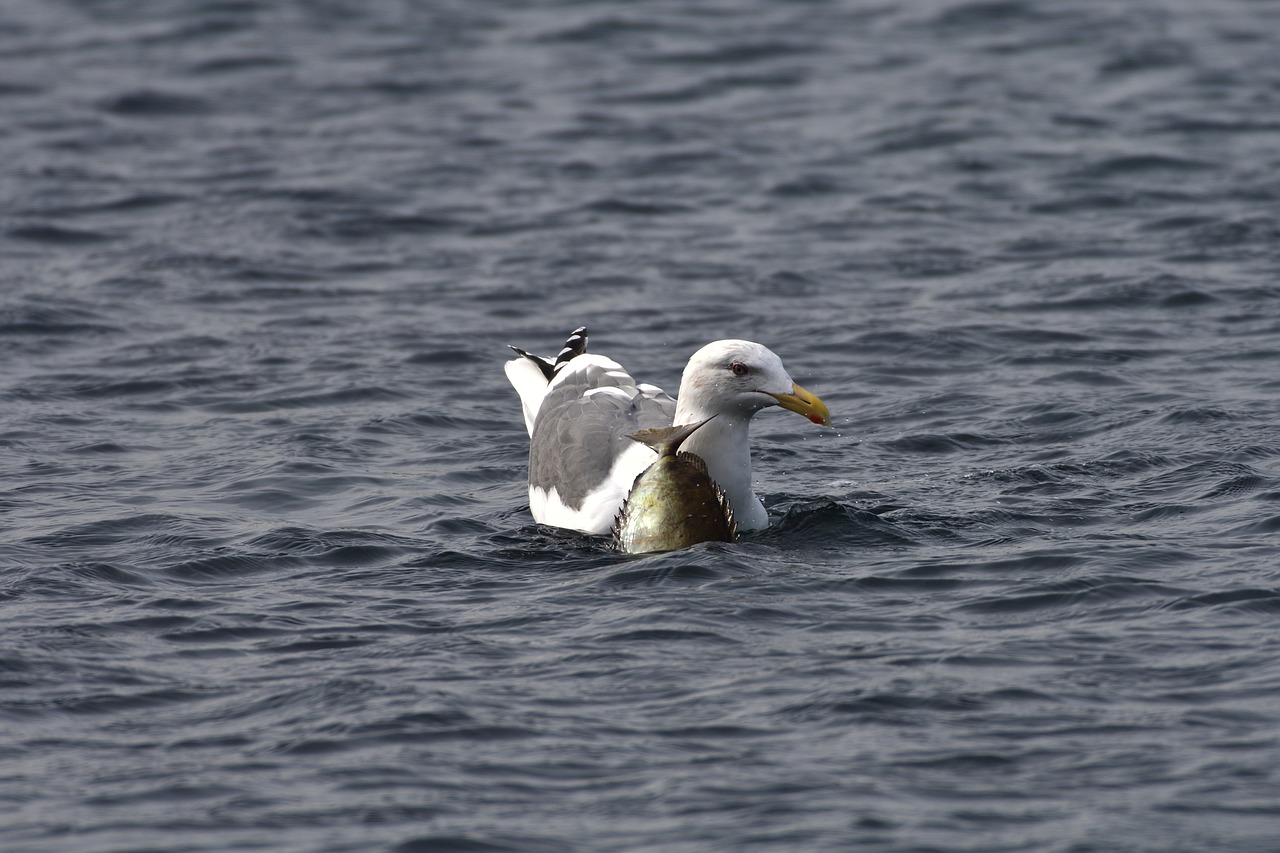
673,503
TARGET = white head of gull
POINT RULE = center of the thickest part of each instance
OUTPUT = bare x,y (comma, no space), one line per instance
579,409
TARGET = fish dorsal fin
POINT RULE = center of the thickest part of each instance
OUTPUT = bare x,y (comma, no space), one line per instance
699,463
667,440
728,513
696,461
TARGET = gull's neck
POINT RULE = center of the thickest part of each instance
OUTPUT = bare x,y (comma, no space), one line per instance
722,443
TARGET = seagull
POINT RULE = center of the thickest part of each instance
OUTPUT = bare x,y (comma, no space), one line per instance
580,409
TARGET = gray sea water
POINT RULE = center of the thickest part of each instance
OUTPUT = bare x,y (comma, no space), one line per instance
268,580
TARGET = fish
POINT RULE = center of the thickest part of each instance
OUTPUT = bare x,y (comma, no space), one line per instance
673,503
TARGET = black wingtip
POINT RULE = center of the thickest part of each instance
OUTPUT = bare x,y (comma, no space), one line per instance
548,369
574,346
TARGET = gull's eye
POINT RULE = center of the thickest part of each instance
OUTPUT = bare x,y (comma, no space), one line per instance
739,369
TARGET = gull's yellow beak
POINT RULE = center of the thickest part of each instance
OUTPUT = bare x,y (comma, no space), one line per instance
801,401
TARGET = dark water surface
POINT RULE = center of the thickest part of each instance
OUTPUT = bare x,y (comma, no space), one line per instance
267,575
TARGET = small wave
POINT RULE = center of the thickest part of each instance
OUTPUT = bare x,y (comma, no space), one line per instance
1250,600
453,843
58,235
1141,164
737,53
230,565
1092,378
1148,56
711,87
231,64
153,103
165,793
277,402
831,522
664,635
48,320
634,207
787,283
609,27
376,225
983,14
697,565
109,531
935,443
894,708
133,201
923,136
1249,231
1089,593
807,186
118,701
1263,526
1189,482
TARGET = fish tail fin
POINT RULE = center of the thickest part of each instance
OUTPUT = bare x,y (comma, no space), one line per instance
667,440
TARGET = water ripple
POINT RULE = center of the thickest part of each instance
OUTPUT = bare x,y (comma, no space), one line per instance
268,566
